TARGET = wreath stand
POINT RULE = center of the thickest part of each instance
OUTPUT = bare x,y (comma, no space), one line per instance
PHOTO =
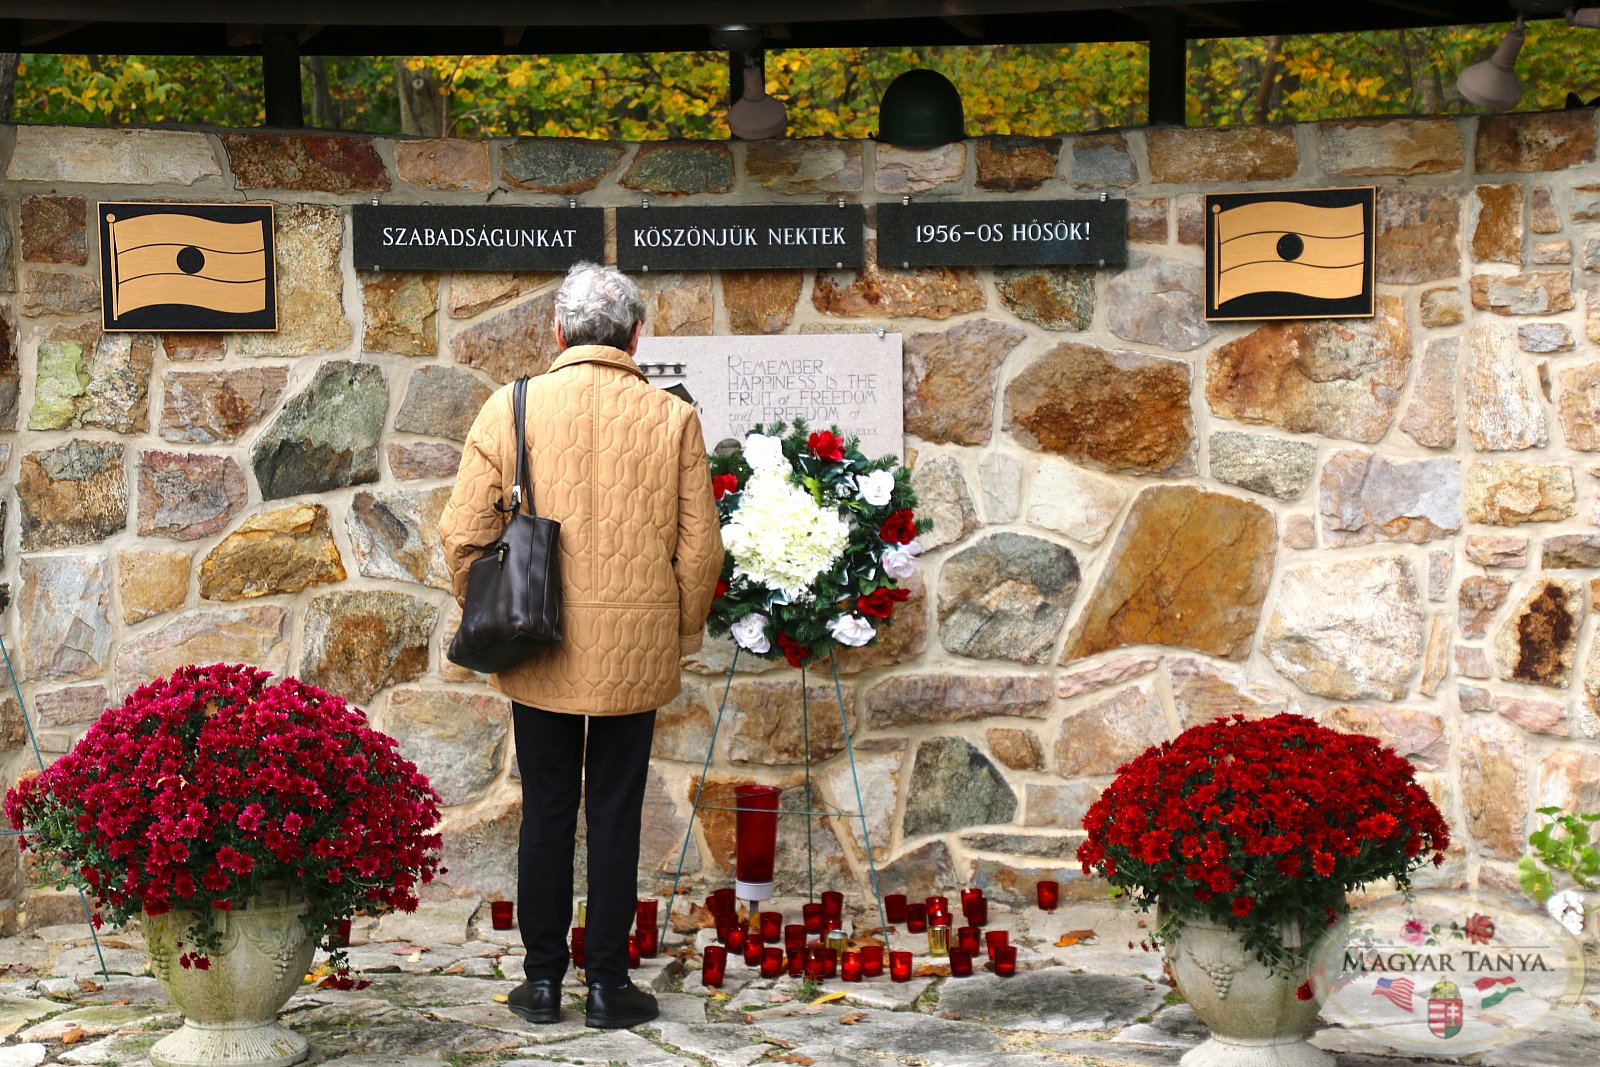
6,831
812,809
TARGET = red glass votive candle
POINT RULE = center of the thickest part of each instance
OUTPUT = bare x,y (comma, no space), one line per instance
851,968
1049,894
735,939
798,958
1005,960
872,960
713,965
577,946
648,940
967,939
994,939
633,951
832,903
938,904
339,931
894,908
900,966
830,923
794,936
830,961
960,963
771,925
771,962
978,912
726,902
968,896
500,914
644,914
814,969
755,839
755,950
916,918
813,917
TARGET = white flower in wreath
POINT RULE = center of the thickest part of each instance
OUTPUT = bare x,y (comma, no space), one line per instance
764,453
851,630
875,488
1566,907
780,538
900,561
750,633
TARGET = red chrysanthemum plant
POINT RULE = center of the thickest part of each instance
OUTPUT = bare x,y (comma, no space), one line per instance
205,786
1261,825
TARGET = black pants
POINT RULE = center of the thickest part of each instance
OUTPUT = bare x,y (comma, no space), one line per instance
610,770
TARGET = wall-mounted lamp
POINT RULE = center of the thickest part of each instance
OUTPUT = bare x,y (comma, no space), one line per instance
755,115
1493,83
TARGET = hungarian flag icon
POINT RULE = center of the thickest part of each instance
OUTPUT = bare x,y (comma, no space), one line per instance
183,266
1294,253
1284,247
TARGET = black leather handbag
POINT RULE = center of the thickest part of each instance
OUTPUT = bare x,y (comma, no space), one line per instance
513,604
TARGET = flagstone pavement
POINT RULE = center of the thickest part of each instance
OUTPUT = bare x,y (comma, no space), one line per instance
1077,999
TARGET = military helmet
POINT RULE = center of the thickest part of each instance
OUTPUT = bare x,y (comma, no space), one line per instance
921,109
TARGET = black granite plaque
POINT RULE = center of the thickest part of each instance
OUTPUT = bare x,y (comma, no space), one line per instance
476,237
1014,233
740,238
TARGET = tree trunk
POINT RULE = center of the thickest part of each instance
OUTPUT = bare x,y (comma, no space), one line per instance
422,107
322,114
1269,79
8,83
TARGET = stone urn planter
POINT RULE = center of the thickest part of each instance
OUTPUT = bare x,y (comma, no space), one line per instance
1255,1016
230,1009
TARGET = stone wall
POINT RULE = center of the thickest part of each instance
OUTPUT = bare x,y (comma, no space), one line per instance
1143,520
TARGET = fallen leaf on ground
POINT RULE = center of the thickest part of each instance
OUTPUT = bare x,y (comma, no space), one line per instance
415,957
121,1002
696,918
73,1035
114,942
794,1057
949,1015
499,998
866,938
1075,936
455,968
57,994
853,1018
778,1041
828,998
89,985
932,970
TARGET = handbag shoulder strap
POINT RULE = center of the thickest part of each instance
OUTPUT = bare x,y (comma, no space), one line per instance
519,409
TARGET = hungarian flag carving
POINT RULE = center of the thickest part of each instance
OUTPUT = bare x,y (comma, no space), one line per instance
187,266
1289,254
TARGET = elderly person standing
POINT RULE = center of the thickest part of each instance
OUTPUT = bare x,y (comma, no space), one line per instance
622,466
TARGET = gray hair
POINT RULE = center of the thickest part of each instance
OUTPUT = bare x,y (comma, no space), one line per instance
598,306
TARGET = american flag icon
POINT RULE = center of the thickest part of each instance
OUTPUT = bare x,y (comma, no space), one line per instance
1397,990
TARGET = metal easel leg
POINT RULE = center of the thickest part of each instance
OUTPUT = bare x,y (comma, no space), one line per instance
861,807
805,739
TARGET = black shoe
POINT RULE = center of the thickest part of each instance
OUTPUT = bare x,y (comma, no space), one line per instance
538,1000
619,1007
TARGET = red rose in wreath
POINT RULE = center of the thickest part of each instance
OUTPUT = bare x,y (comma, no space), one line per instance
826,446
899,528
793,652
880,602
723,484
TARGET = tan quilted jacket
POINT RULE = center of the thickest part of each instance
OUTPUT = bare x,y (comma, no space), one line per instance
622,466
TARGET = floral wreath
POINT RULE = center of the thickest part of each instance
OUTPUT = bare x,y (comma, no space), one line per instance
816,537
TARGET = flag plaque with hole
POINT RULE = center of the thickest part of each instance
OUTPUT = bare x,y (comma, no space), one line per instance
1299,254
175,267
